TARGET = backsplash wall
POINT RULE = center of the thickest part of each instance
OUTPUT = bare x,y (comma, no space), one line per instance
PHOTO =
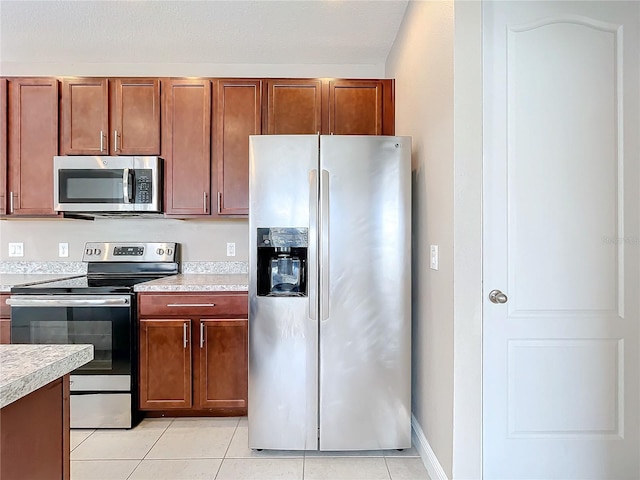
201,240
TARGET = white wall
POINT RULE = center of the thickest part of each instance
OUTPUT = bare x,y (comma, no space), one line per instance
202,240
437,63
190,70
421,61
467,256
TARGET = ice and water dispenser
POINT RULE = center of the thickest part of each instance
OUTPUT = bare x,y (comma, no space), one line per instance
282,262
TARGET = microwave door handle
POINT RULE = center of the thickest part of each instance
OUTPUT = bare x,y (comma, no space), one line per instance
126,186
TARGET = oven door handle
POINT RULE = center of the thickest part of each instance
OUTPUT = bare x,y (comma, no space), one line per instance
69,301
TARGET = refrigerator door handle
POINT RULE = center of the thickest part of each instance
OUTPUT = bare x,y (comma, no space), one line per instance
313,244
324,245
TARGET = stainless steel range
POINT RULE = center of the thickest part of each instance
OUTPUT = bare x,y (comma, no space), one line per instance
99,308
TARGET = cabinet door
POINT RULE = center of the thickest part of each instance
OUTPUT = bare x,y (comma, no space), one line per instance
355,107
187,147
165,364
294,107
237,115
4,120
85,116
33,142
5,319
135,117
223,363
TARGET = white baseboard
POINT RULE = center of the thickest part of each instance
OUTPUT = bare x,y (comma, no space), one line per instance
431,463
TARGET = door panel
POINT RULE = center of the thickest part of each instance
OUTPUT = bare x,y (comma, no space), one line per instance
85,116
560,215
355,107
136,117
223,363
283,331
165,364
294,107
237,115
365,328
187,147
33,142
3,145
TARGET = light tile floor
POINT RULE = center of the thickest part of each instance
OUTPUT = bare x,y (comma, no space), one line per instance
216,448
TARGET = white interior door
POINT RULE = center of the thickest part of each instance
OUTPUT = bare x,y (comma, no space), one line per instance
561,239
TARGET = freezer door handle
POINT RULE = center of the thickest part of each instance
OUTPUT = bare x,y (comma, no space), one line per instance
313,244
324,245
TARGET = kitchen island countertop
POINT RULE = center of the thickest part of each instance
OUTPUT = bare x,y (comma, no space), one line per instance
197,282
26,368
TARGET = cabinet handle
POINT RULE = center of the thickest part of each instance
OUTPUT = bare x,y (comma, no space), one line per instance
101,141
10,202
115,140
201,334
191,304
219,202
184,334
204,202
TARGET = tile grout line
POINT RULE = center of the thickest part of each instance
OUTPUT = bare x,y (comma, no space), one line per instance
158,439
83,440
154,443
134,469
227,450
387,466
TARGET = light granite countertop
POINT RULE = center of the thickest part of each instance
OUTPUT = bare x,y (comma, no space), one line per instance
8,280
197,282
26,368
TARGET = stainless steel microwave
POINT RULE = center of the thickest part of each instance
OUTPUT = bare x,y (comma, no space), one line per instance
107,184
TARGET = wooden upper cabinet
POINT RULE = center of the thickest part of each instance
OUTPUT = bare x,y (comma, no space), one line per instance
223,363
186,146
355,107
135,119
33,142
85,116
165,364
237,114
294,107
4,120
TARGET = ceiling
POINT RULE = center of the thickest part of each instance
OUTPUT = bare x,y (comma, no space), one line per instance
213,32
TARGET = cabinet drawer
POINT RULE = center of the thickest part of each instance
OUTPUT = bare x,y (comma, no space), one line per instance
196,304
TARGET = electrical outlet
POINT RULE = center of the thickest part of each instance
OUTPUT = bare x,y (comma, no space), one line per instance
16,249
231,249
63,249
434,257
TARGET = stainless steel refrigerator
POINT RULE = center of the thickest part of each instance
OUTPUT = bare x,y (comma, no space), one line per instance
329,292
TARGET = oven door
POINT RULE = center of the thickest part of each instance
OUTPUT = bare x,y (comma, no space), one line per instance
105,321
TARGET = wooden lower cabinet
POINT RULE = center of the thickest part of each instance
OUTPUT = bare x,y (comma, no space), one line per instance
34,438
165,364
193,353
222,355
5,319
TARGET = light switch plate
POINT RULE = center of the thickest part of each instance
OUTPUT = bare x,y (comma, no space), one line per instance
231,249
434,257
16,249
63,249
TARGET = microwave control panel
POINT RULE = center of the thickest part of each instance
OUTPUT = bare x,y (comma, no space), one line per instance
144,186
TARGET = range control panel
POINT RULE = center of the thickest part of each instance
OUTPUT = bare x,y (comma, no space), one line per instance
130,252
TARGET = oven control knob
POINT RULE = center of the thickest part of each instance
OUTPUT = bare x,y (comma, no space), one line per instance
169,251
97,251
89,251
160,251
